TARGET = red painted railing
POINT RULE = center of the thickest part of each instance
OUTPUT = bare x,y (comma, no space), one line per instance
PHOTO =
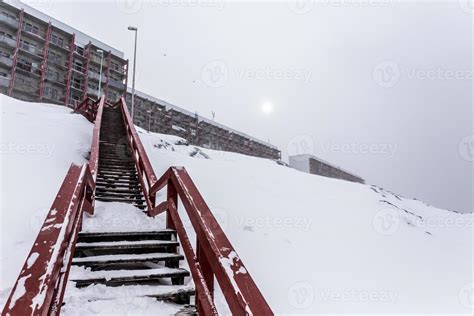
214,256
145,171
89,108
94,156
40,287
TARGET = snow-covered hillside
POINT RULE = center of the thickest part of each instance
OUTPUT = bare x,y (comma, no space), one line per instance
38,144
320,245
312,244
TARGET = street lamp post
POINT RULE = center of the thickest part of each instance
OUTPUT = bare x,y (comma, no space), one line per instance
134,29
101,52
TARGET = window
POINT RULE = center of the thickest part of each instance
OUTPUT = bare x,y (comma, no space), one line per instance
28,27
115,66
55,58
3,74
53,75
8,15
6,35
79,50
57,40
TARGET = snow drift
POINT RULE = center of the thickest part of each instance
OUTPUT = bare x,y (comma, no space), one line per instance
312,244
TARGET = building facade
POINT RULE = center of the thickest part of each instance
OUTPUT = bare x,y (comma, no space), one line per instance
159,116
314,165
44,60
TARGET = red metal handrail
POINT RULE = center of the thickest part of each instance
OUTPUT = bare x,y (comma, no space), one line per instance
145,171
89,108
94,156
215,256
40,286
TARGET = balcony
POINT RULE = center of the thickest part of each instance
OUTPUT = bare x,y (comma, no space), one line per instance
31,49
53,80
9,21
4,82
6,61
7,40
57,62
77,86
93,91
98,60
29,68
34,32
116,84
78,69
96,76
52,97
59,45
118,70
26,88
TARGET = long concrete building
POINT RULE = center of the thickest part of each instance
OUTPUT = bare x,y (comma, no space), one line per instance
45,60
314,165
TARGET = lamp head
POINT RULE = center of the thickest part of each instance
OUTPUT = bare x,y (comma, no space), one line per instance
132,28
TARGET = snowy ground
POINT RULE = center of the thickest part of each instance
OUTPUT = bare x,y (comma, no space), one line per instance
38,144
312,244
320,245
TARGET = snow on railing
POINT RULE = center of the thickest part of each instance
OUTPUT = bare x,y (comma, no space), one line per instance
215,256
40,286
94,156
146,174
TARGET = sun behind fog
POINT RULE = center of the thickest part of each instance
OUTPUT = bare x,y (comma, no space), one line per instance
267,107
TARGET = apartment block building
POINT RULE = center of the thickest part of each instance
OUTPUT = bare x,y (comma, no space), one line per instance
44,60
315,165
159,116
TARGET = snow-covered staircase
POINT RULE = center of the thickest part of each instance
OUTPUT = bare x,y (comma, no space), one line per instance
148,259
117,179
141,263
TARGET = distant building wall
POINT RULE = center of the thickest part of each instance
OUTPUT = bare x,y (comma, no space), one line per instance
300,163
314,165
161,117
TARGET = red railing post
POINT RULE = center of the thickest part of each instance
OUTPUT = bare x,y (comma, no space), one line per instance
172,197
206,272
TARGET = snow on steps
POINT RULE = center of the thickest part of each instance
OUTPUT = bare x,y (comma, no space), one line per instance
85,277
127,268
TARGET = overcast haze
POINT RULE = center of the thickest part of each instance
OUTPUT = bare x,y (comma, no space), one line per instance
383,90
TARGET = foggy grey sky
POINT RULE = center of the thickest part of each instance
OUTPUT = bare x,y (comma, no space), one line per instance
372,88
